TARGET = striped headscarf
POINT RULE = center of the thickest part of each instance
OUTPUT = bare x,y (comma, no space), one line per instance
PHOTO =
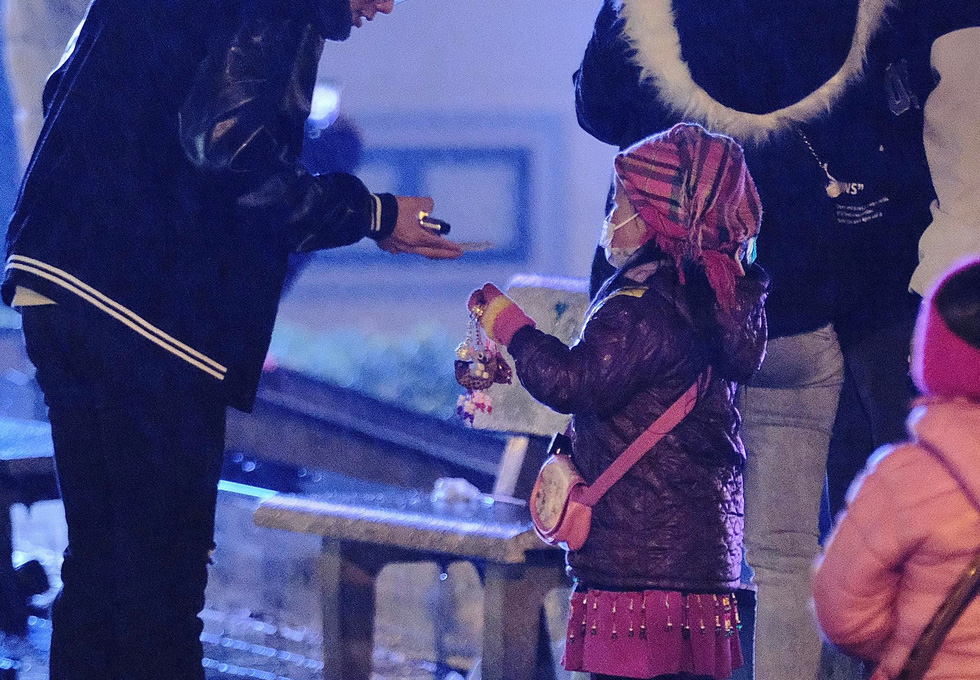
694,192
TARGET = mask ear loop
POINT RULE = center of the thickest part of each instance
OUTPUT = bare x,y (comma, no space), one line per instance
610,229
614,227
620,186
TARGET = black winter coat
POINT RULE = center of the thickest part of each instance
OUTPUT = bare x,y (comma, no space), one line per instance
674,521
845,259
165,190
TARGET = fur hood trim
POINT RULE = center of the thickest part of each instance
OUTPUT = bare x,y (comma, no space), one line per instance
650,30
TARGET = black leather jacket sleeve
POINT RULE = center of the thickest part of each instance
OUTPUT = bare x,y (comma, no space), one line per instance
242,122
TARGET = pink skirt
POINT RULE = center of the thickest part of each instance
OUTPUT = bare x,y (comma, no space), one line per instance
653,632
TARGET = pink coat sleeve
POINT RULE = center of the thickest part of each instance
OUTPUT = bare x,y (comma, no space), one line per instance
856,580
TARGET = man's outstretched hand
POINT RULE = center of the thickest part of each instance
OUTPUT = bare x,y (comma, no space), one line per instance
411,237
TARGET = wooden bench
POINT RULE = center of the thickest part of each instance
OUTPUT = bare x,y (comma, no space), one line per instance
362,533
26,476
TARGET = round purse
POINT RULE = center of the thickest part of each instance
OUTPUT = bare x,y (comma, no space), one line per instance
559,516
561,502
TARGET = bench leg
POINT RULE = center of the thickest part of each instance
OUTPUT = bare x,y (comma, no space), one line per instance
512,620
347,580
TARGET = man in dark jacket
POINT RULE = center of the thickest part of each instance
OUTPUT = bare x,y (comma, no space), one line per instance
146,254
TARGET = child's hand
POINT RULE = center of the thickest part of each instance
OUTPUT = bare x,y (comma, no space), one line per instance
480,298
500,316
477,303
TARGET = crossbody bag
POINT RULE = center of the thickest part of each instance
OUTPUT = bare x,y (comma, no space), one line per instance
561,502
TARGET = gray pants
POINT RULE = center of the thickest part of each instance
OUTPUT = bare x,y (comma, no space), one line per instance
788,416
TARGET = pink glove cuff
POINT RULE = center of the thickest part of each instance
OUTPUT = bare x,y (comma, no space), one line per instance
502,318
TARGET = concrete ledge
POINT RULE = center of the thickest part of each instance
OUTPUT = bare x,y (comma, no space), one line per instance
408,520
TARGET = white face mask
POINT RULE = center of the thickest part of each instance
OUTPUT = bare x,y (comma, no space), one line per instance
615,256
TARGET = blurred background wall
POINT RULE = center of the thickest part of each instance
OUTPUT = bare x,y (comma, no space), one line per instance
480,94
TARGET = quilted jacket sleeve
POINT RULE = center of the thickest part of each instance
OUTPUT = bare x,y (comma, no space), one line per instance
857,579
744,331
619,351
242,121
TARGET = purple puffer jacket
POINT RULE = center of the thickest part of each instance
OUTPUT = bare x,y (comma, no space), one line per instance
674,522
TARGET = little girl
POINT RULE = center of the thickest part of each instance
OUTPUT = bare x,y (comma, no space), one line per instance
654,580
913,522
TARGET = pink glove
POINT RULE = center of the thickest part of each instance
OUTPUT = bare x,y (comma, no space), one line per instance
500,316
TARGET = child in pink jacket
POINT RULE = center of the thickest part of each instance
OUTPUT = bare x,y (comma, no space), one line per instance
913,519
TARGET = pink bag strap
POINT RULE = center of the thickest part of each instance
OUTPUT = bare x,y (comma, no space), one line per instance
670,419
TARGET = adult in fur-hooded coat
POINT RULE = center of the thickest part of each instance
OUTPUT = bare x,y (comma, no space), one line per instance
860,155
